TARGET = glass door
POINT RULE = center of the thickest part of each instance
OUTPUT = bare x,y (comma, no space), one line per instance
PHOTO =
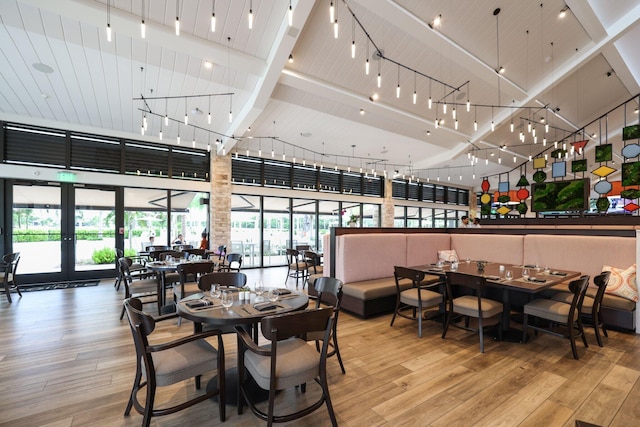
63,232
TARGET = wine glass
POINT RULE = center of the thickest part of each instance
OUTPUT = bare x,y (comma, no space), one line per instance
508,275
227,299
273,295
215,291
525,273
259,288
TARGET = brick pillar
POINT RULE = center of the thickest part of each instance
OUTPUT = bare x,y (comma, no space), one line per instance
387,205
220,207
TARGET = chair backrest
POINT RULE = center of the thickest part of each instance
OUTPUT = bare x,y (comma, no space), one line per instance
141,325
292,256
196,269
156,248
124,263
579,288
312,259
234,261
303,247
330,291
224,278
237,246
601,281
416,276
222,252
181,248
196,251
297,324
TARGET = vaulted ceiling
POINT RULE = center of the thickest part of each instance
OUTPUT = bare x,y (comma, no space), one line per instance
319,107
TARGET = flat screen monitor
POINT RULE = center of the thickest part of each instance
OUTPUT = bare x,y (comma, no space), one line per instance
561,196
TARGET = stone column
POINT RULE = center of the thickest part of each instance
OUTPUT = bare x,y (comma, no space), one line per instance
220,206
387,205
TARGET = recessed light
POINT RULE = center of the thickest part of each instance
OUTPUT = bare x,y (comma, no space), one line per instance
208,64
306,134
43,68
45,95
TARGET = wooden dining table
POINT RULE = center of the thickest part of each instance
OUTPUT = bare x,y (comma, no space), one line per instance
201,308
539,280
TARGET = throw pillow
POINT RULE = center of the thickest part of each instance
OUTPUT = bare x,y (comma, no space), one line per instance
448,255
622,282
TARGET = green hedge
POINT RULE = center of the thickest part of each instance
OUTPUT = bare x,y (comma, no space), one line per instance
42,235
108,255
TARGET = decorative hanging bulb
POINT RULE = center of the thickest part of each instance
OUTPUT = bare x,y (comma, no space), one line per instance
335,29
436,123
453,113
533,132
429,102
160,135
144,121
493,126
208,147
535,139
209,118
398,91
193,143
332,13
514,159
379,79
529,127
177,26
230,116
143,29
475,125
511,126
415,97
273,154
186,119
250,18
213,18
109,32
290,14
546,128
166,120
142,130
353,49
544,142
455,124
283,156
247,151
366,67
530,157
178,139
468,106
444,107
499,160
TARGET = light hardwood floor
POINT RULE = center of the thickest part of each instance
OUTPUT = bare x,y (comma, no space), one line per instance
67,360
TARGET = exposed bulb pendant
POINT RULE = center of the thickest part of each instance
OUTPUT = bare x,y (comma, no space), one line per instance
209,118
455,124
379,79
109,33
546,128
332,13
166,120
251,15
144,122
142,130
193,143
290,14
475,125
177,17
366,67
353,49
453,113
143,29
468,106
335,29
529,127
178,139
186,119
512,127
160,135
444,107
430,103
493,126
415,97
398,91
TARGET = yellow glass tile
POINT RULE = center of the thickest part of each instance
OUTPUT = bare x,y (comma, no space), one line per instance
503,210
539,163
603,171
485,199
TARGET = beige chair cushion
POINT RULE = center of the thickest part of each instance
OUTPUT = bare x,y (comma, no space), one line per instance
183,362
298,363
429,298
567,297
171,278
143,286
467,305
556,311
312,278
300,265
190,288
2,277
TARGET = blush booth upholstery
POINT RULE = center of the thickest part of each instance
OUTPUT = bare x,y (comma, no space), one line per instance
364,262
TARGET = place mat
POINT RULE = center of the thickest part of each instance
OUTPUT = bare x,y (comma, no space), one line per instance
200,304
533,280
251,309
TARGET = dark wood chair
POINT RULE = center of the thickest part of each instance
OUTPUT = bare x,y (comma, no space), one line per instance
196,251
559,313
314,267
137,267
296,267
233,262
189,274
138,287
330,291
181,248
417,298
286,362
168,363
8,274
591,304
473,305
226,278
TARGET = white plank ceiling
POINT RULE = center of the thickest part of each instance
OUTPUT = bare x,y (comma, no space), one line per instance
581,65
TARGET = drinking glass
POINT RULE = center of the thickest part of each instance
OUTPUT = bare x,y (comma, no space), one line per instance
508,275
215,290
273,295
525,273
467,260
227,299
259,288
454,266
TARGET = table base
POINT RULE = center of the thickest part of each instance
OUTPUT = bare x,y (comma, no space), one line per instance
257,393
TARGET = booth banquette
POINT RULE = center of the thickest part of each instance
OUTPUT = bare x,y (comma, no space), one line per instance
364,261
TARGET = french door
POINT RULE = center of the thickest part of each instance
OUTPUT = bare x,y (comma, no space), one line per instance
63,231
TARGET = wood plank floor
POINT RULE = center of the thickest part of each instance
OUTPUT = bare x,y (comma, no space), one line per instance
67,360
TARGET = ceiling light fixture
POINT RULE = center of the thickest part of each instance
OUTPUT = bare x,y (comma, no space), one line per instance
143,27
250,14
290,58
109,21
353,38
213,16
563,12
335,23
177,17
290,14
332,12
